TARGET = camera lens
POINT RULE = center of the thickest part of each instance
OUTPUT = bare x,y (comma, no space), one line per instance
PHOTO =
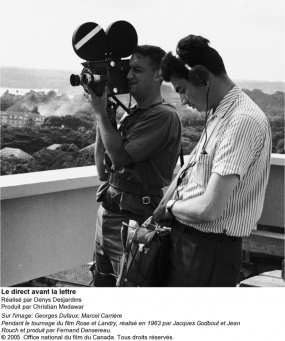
86,79
75,80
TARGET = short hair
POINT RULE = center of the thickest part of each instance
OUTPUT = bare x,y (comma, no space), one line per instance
154,53
172,66
192,50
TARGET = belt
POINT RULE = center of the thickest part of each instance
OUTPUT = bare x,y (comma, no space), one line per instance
207,235
112,208
131,187
116,209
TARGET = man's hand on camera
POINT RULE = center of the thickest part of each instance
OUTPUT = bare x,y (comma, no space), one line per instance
99,104
111,111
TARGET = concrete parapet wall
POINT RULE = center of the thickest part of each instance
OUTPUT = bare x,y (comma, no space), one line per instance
48,219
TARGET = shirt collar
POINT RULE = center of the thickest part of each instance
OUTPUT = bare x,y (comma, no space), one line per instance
227,101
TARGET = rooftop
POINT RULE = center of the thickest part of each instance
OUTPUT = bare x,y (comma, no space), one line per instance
14,152
48,220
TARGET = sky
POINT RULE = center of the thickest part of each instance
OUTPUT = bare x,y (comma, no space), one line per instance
248,34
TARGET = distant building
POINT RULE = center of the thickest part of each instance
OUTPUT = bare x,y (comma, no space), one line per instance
15,152
54,146
90,148
20,119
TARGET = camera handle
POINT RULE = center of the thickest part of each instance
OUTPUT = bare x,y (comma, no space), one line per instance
119,103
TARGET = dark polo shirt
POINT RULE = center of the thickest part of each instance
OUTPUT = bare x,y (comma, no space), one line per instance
152,137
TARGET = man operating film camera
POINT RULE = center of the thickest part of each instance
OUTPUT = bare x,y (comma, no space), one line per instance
135,160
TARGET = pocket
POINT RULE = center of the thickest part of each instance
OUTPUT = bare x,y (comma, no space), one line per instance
112,196
101,192
203,169
231,255
188,245
229,273
231,265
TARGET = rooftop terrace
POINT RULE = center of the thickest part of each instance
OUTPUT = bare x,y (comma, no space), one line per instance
48,220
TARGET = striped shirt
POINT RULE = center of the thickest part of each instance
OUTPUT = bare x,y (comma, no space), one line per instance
238,142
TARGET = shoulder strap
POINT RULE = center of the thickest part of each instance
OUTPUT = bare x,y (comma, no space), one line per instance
158,213
146,197
132,118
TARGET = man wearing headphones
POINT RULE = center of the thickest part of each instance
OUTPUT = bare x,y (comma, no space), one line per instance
135,161
217,198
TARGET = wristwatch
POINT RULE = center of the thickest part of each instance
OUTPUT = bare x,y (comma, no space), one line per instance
169,206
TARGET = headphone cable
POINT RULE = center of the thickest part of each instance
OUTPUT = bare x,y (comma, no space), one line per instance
205,124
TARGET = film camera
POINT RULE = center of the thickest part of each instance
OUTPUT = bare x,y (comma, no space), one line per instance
103,52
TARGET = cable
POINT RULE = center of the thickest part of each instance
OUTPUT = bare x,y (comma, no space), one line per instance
205,124
192,163
130,102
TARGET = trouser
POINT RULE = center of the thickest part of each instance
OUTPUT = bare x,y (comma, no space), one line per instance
199,259
108,246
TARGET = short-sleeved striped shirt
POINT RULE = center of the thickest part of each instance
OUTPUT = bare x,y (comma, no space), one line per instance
238,142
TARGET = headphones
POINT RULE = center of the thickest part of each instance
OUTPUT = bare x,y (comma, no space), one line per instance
198,74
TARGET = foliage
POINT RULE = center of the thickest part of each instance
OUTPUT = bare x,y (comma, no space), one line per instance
12,165
67,156
8,100
83,120
32,139
73,132
27,103
71,123
192,127
272,105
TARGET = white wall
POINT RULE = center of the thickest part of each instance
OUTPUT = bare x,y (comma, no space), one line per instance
46,228
48,219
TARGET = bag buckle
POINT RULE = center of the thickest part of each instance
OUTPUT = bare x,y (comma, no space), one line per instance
146,200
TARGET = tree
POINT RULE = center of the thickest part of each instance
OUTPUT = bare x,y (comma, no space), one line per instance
12,165
67,156
35,110
77,129
18,107
280,146
7,100
30,138
52,121
71,122
51,95
30,123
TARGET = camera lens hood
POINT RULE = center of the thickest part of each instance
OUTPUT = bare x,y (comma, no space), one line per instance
75,80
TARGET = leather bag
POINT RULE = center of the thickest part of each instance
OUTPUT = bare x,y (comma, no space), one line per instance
145,259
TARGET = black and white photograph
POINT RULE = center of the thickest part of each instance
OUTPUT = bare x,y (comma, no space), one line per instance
142,169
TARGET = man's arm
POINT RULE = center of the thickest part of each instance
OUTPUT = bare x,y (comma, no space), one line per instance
110,137
209,206
99,154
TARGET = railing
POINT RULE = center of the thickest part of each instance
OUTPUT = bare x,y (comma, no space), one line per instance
48,219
